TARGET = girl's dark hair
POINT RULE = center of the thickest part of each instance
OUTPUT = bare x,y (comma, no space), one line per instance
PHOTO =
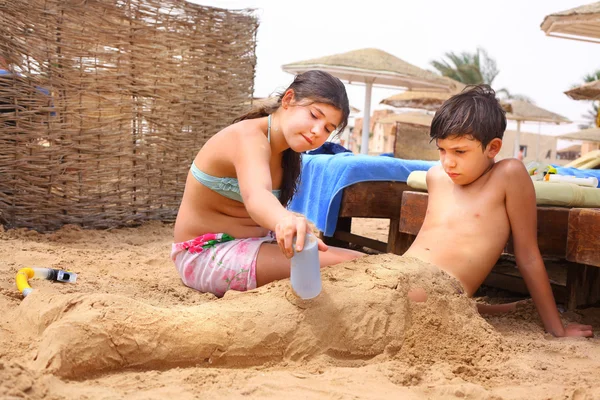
316,87
475,111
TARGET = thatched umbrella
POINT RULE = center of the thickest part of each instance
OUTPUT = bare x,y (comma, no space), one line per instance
373,67
516,110
412,118
580,23
522,111
588,135
588,91
430,101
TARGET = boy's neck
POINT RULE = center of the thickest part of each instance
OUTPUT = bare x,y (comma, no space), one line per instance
483,174
488,169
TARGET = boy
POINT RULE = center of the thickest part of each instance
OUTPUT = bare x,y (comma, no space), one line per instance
475,203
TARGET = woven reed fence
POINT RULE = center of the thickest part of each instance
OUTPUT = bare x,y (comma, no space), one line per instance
109,102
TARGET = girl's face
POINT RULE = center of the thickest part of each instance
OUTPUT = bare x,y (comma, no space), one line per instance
308,125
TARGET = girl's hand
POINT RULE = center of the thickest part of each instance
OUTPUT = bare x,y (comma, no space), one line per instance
294,226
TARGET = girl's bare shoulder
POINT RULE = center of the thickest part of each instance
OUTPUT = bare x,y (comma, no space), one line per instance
245,130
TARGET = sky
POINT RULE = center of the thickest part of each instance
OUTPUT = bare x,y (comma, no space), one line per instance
418,32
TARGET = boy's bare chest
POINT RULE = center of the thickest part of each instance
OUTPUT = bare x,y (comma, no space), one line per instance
458,209
456,213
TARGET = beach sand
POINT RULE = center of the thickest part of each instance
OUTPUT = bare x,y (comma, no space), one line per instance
129,329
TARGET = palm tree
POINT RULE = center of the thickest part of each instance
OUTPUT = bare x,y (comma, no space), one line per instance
507,95
592,116
474,69
468,68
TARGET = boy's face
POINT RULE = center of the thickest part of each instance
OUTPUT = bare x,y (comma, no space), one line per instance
462,157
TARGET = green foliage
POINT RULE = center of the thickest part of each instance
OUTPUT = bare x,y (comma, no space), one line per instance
468,68
591,117
474,69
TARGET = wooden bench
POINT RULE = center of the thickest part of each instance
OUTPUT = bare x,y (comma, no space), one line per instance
371,200
571,235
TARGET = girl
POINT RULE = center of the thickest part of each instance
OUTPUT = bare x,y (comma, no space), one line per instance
233,206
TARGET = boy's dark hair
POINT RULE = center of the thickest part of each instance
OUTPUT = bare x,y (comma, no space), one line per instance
475,111
315,87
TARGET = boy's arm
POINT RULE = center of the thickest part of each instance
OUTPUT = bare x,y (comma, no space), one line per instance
522,213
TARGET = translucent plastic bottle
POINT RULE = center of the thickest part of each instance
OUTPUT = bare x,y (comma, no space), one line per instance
305,274
591,181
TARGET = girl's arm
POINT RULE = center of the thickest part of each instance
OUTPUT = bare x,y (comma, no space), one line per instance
251,161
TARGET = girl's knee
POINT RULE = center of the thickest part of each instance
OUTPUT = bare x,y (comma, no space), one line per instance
336,255
348,255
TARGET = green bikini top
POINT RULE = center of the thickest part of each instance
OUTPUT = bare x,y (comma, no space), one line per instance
225,186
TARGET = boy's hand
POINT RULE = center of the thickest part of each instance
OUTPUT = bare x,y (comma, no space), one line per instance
578,330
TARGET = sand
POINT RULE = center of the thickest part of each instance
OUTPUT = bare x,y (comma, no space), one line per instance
129,329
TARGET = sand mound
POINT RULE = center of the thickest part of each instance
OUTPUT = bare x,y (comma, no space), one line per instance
363,312
17,382
129,329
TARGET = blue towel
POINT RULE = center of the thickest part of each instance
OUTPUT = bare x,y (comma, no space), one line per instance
580,173
324,177
329,148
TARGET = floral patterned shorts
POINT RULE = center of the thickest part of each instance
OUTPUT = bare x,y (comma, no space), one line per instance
216,262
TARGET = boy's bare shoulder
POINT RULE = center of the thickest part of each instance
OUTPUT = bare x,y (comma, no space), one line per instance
435,172
510,168
511,175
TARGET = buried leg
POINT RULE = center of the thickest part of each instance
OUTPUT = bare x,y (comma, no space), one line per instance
362,312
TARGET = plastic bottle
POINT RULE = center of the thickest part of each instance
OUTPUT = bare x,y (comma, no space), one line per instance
539,171
305,274
589,181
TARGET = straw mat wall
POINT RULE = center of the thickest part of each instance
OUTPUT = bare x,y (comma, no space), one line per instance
109,102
